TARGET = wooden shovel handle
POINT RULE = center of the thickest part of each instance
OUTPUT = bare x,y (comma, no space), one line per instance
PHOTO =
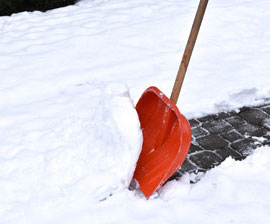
188,50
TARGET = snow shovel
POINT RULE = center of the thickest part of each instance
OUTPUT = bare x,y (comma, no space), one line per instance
166,132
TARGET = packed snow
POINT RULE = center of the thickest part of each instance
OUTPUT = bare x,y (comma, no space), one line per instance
69,133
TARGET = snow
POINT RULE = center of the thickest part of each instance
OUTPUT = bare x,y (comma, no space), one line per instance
85,141
69,133
234,192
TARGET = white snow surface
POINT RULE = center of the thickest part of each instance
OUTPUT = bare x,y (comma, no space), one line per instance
83,143
69,133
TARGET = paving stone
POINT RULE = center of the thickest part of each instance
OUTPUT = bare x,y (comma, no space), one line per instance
187,167
247,129
224,115
226,152
245,146
232,136
253,116
266,109
267,124
195,148
205,160
208,118
236,121
193,123
198,131
217,126
260,132
175,176
211,142
215,137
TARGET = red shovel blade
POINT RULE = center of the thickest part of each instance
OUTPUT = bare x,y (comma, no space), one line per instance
166,140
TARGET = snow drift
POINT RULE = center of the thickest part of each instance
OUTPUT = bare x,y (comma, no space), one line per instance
84,141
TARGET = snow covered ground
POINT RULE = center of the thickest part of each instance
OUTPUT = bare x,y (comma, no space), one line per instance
70,137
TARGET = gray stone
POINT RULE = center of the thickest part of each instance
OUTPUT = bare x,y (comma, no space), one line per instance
232,136
187,167
211,142
236,121
247,129
260,132
205,160
217,126
267,124
198,131
226,152
208,118
245,146
254,116
216,137
266,109
193,123
175,176
195,148
224,115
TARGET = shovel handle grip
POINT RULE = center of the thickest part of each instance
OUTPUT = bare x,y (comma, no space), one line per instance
188,50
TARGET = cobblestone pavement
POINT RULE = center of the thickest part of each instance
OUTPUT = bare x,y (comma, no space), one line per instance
216,137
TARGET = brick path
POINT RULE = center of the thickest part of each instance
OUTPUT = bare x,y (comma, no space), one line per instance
235,134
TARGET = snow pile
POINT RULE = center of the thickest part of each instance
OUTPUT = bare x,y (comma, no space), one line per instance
84,141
